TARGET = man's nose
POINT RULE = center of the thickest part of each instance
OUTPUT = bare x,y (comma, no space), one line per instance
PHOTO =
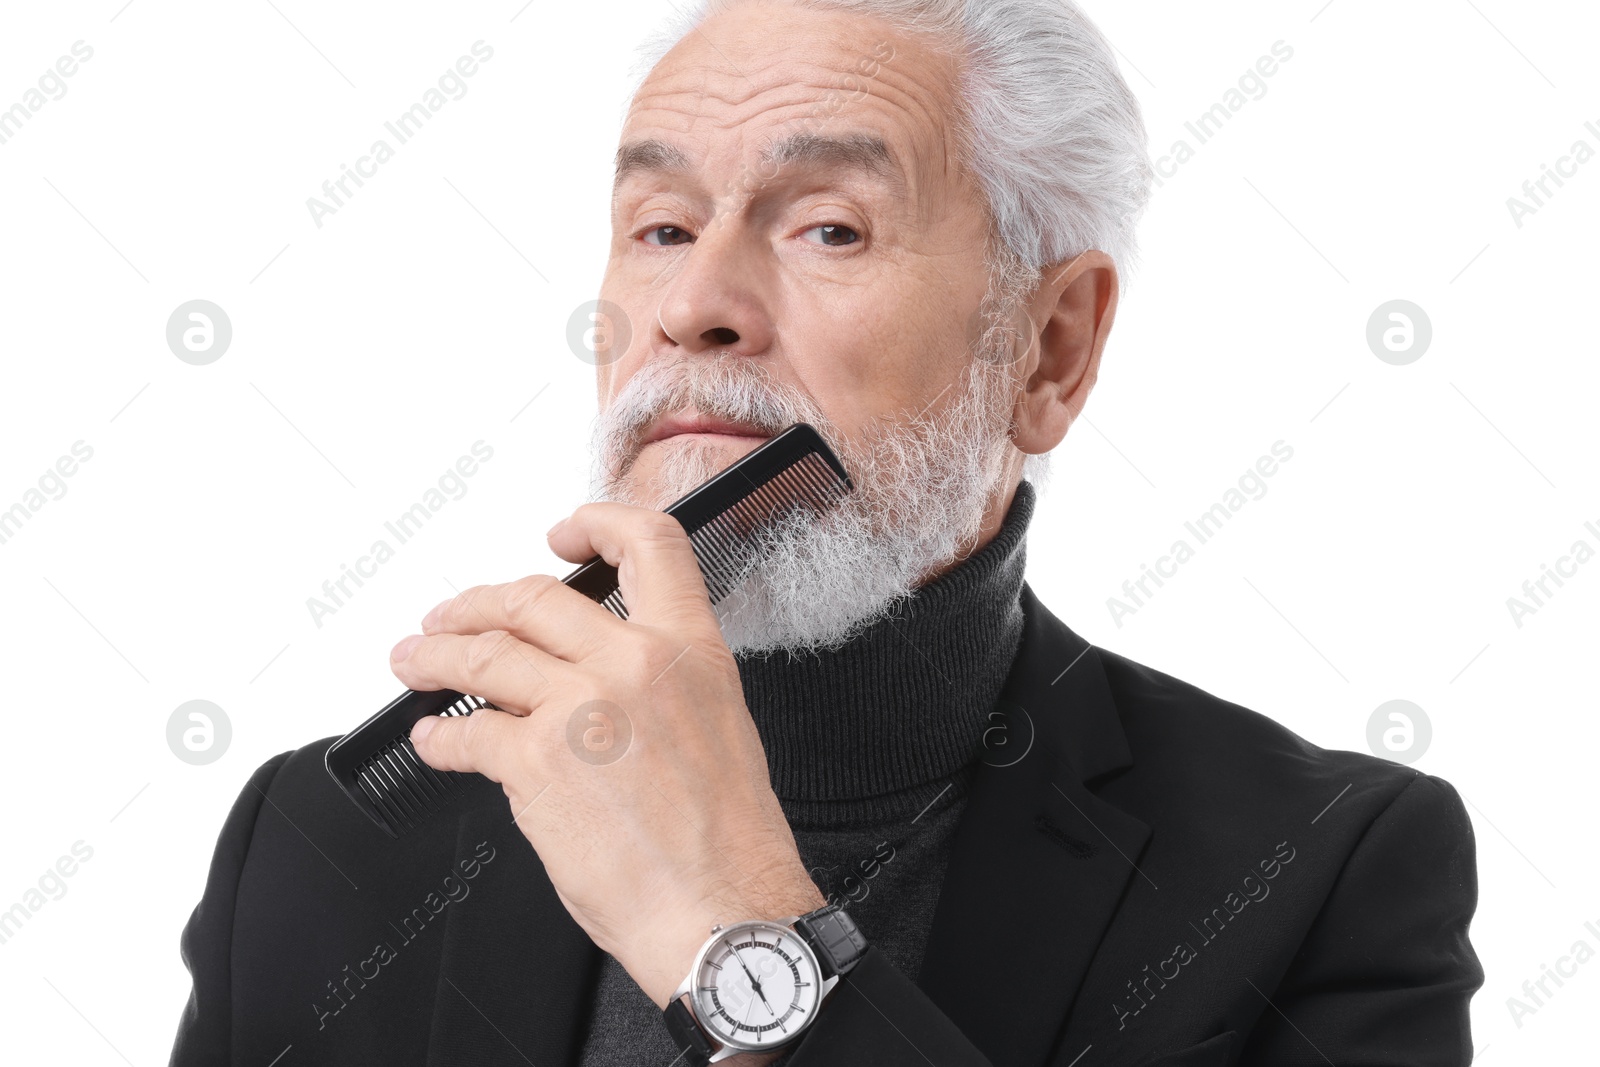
715,298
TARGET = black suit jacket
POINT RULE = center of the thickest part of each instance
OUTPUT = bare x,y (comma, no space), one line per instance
1164,878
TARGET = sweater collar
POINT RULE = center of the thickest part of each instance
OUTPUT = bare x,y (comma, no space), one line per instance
860,731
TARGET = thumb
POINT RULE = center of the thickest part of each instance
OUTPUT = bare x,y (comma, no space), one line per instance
476,742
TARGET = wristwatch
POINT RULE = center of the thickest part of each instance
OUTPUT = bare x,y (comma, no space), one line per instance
756,986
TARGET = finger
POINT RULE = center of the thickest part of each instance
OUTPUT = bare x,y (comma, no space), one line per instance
484,741
538,610
656,567
493,665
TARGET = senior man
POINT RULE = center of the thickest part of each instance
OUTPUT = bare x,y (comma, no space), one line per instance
959,833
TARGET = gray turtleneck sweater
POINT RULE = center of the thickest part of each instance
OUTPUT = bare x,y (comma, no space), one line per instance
870,748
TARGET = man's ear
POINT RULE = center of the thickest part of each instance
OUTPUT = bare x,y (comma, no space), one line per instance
1071,311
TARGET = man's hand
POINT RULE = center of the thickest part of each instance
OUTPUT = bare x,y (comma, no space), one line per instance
625,747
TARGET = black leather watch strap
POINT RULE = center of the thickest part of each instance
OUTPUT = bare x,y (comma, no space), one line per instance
687,1035
833,937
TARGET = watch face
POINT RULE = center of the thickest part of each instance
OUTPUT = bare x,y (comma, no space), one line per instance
756,985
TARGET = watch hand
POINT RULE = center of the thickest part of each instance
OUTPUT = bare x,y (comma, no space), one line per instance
755,983
763,997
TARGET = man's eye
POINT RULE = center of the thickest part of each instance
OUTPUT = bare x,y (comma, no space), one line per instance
671,235
835,235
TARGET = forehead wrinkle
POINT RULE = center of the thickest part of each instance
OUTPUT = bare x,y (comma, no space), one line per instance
915,94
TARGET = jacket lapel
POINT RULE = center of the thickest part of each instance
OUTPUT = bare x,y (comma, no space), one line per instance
1038,863
516,971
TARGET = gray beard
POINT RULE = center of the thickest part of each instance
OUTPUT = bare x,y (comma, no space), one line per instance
922,489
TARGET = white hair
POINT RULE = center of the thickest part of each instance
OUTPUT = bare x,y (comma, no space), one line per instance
1046,125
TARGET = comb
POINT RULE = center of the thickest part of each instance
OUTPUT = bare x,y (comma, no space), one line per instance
725,516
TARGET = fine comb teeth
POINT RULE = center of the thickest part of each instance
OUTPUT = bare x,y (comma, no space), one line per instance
724,517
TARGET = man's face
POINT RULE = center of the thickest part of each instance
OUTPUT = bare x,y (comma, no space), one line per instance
793,240
847,274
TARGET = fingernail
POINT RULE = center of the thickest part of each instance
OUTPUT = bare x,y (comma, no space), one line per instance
551,532
432,617
403,649
424,726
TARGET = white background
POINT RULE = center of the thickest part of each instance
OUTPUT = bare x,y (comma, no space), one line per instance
369,353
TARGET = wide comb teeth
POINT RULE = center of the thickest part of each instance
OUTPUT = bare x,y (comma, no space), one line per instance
726,518
723,545
401,786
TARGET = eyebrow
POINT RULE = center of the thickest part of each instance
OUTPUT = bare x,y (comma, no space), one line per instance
863,152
